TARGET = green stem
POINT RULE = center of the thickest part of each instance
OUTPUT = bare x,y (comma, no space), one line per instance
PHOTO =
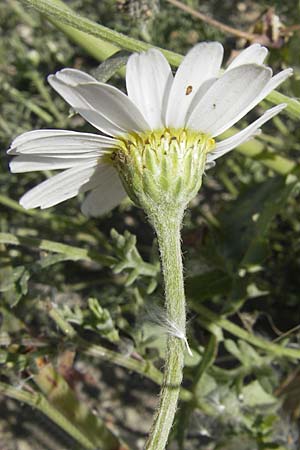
94,46
55,11
168,234
293,105
209,318
39,402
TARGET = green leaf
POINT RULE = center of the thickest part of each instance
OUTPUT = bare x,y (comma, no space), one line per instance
69,251
63,398
14,283
130,260
110,66
243,238
207,285
255,396
207,360
245,353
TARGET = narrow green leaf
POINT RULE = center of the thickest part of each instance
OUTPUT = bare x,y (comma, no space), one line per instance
293,105
73,253
110,66
256,149
51,9
94,46
61,396
38,401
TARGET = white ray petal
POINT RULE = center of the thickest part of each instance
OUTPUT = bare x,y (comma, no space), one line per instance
106,196
37,134
199,94
114,105
103,174
273,83
82,107
74,76
32,163
60,142
254,54
148,80
269,87
209,165
229,99
59,188
201,63
104,106
246,134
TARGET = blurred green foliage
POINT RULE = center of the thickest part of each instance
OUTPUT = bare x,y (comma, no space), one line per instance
241,248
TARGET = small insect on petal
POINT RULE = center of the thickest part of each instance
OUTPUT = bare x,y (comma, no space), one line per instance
188,90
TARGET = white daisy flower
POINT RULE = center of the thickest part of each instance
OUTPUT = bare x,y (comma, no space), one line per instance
181,113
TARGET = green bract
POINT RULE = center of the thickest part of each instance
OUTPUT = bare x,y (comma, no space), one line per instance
162,169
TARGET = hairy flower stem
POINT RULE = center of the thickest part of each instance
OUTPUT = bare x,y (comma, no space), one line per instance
161,171
168,234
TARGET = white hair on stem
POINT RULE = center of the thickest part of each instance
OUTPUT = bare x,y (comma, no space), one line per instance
157,316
